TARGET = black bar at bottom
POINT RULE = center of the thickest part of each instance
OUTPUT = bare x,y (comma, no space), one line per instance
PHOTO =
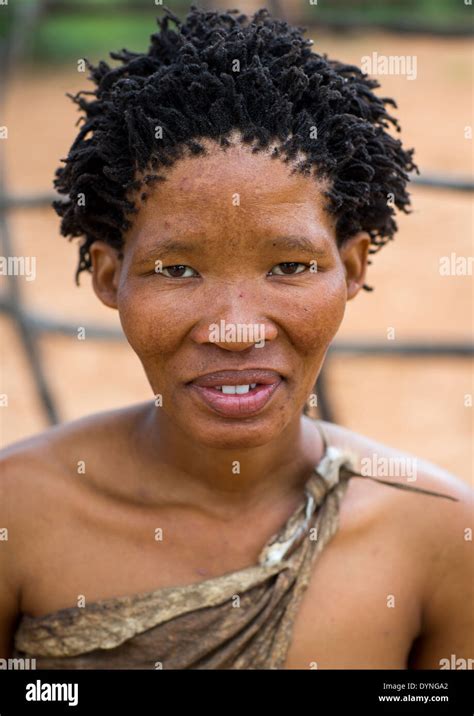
152,692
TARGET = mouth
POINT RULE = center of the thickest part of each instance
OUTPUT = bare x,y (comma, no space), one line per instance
237,393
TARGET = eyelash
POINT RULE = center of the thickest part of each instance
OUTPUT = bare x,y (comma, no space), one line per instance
176,266
282,263
289,263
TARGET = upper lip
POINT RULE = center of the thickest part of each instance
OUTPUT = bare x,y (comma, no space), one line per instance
237,377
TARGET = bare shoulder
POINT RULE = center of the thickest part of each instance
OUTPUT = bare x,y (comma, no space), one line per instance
381,460
39,496
435,531
35,473
437,518
37,484
52,450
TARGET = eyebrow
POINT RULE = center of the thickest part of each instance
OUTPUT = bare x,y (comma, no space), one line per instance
168,246
298,243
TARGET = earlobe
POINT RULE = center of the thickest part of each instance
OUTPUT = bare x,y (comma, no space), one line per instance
354,254
105,267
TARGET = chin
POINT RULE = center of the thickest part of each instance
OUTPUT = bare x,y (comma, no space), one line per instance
225,434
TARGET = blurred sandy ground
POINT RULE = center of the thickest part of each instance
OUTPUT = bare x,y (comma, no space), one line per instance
414,404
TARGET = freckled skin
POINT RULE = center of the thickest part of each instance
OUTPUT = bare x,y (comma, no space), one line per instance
167,321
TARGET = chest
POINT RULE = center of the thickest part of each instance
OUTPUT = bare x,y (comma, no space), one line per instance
360,609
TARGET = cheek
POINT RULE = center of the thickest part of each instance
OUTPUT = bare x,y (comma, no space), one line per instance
314,317
151,325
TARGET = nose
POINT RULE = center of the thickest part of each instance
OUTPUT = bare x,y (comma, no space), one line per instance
235,320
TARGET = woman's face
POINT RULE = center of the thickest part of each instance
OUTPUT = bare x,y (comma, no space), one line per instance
231,265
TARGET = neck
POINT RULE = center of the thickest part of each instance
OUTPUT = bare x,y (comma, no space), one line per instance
197,474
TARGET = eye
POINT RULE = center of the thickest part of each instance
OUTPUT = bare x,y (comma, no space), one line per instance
288,268
178,271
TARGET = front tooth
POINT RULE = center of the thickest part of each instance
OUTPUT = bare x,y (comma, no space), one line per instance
235,389
253,385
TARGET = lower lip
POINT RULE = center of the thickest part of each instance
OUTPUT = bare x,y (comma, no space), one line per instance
237,406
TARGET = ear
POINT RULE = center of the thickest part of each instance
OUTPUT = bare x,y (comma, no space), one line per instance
354,253
106,265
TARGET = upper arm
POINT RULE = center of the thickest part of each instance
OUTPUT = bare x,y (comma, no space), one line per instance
447,635
8,615
441,532
9,586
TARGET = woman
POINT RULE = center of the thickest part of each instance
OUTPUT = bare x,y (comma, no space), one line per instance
229,186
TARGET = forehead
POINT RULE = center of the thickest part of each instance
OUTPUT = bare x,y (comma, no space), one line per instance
230,190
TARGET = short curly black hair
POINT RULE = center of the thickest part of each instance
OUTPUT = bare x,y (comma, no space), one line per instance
218,72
